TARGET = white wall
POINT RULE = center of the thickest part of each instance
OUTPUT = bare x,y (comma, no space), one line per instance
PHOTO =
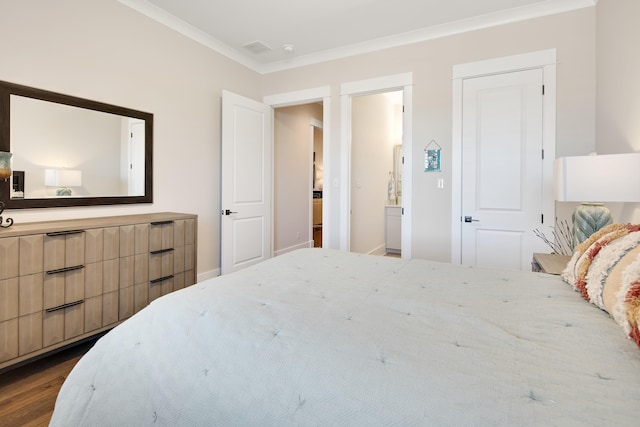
431,62
105,51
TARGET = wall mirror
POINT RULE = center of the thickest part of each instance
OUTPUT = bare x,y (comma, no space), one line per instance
70,151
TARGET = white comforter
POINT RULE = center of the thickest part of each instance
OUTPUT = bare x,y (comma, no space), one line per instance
326,338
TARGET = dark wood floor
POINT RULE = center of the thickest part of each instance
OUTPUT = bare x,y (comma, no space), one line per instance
28,393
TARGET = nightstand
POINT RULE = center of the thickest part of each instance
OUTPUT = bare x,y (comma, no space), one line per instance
549,263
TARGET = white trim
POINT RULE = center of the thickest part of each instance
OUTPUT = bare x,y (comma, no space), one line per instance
546,60
519,62
165,18
297,97
345,172
308,244
536,10
307,96
312,187
403,82
379,251
316,123
208,275
407,174
377,85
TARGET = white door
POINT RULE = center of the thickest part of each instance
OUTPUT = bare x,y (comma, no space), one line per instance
502,140
246,182
136,158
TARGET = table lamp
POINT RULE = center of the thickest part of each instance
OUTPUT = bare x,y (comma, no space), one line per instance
593,180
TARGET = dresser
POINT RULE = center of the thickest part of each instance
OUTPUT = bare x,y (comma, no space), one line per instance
64,281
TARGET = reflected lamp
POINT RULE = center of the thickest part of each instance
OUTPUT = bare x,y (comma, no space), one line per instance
63,179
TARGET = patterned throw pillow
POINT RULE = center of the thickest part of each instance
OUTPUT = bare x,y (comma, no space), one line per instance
605,269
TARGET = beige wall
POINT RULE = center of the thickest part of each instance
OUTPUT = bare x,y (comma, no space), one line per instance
292,175
618,87
431,62
105,51
618,65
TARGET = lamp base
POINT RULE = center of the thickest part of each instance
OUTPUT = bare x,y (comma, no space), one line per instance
589,218
63,192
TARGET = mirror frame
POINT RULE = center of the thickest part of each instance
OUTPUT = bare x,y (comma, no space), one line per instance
7,89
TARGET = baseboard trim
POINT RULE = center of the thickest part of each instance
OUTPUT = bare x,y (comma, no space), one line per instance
308,244
380,250
208,275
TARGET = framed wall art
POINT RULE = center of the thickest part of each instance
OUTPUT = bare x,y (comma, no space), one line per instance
432,157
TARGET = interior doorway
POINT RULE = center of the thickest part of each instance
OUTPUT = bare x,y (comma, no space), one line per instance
500,102
298,177
376,184
349,92
317,181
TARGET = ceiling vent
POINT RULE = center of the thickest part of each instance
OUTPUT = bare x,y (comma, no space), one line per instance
256,47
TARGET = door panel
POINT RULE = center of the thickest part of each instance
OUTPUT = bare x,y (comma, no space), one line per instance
249,231
502,169
246,182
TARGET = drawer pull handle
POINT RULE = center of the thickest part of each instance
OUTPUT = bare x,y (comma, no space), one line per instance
162,279
162,222
64,233
161,251
64,270
63,306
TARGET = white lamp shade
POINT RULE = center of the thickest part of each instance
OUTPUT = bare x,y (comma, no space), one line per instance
602,178
62,178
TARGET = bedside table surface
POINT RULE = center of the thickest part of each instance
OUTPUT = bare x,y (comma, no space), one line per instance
551,263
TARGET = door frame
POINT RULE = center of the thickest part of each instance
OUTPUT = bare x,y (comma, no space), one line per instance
301,97
315,124
545,60
397,82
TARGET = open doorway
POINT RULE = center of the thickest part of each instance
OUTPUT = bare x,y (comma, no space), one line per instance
349,91
298,177
317,182
376,183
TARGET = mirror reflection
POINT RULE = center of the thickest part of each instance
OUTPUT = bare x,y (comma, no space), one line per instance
69,151
65,151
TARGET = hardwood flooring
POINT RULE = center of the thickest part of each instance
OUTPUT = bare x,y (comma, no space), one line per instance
28,393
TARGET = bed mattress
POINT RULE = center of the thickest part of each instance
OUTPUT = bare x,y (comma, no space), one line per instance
320,337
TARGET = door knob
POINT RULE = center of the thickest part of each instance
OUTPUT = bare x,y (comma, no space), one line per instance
227,212
470,219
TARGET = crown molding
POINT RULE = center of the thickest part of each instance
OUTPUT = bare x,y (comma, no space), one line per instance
160,15
544,8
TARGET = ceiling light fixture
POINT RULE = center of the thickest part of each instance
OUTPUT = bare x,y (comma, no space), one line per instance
288,48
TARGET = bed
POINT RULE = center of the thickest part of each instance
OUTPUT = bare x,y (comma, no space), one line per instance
320,337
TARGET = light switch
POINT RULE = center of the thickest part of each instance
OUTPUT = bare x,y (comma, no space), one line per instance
440,183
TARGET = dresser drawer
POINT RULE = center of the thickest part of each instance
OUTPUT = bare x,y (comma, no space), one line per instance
64,281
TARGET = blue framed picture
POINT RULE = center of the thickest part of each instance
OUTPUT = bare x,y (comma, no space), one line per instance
432,160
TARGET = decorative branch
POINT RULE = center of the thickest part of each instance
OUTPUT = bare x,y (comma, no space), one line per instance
561,241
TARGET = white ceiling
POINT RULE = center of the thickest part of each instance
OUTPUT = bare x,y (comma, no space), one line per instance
320,30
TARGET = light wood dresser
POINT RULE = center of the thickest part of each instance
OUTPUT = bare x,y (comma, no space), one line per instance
65,281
